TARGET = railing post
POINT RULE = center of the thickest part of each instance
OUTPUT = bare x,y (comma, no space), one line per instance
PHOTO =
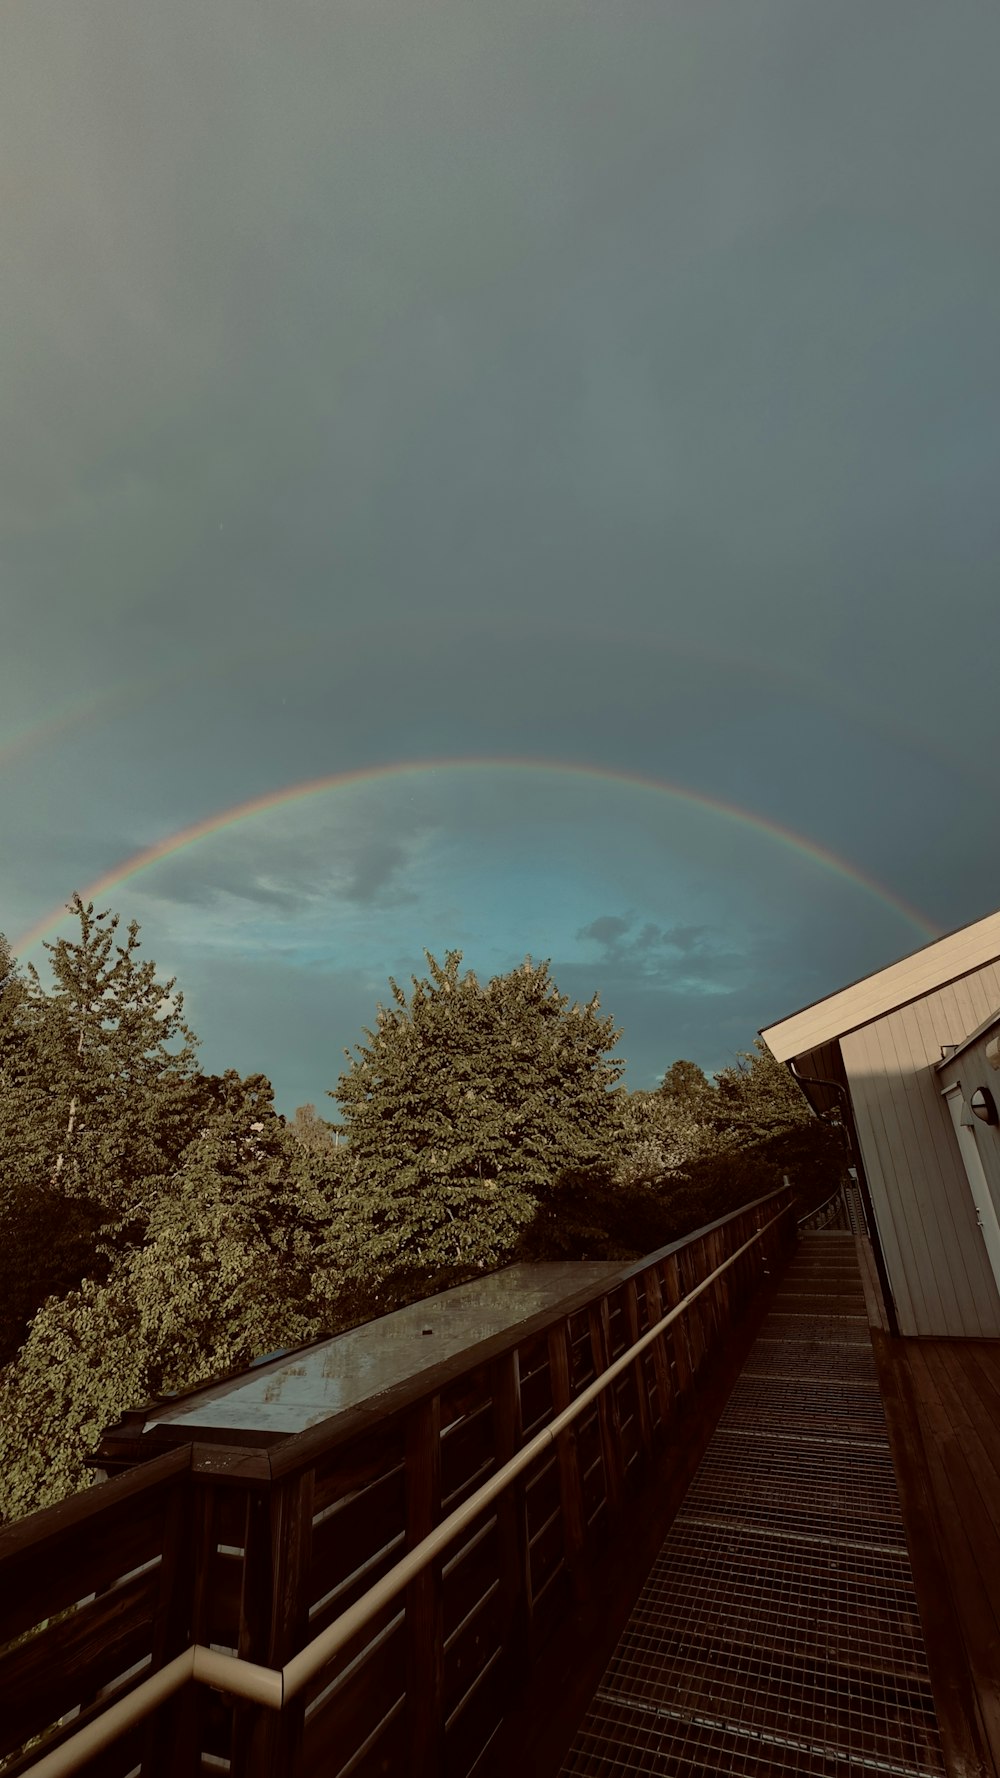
512,1523
274,1620
631,1295
254,1634
608,1418
570,1480
172,1734
661,1367
711,1249
681,1342
696,1317
424,1599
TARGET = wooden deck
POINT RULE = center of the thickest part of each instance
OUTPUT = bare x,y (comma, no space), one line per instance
942,1404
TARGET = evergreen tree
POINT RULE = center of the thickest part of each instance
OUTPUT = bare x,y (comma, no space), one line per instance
47,1242
8,963
120,1098
98,1101
223,1276
462,1111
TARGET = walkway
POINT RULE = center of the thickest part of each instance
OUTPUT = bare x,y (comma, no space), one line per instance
778,1631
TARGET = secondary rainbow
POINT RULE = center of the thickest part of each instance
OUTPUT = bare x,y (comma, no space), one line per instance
190,835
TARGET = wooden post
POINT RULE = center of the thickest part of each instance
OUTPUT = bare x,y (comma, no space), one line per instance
661,1367
696,1314
608,1417
638,1367
274,1620
723,1292
512,1523
570,1480
681,1342
424,1628
171,1740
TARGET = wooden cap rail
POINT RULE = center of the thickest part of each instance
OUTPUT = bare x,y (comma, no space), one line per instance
436,1636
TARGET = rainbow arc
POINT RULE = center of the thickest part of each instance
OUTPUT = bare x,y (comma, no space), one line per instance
254,807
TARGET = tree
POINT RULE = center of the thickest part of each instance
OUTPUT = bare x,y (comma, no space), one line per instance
761,1110
46,1241
313,1131
658,1135
8,963
462,1110
757,1097
224,1274
120,1096
95,1108
687,1087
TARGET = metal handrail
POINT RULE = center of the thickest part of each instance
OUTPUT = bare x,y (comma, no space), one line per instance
275,1687
820,1208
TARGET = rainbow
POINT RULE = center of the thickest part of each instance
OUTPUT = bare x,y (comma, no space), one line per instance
178,841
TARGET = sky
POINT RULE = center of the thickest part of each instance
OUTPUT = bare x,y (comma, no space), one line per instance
513,479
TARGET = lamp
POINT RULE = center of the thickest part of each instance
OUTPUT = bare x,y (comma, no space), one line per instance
983,1105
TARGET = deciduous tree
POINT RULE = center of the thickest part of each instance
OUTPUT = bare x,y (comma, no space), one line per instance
462,1110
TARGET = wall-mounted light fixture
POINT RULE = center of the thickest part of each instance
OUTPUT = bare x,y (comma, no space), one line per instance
983,1105
993,1052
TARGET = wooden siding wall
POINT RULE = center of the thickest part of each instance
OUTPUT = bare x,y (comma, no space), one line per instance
940,1275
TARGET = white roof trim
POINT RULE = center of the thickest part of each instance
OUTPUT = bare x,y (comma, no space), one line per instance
944,960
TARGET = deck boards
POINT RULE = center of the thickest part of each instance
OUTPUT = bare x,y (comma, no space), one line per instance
945,1436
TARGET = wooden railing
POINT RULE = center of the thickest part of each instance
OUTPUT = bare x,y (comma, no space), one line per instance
386,1580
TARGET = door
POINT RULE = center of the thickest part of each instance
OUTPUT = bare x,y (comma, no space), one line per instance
986,1214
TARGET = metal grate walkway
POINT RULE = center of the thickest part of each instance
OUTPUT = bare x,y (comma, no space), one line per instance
778,1631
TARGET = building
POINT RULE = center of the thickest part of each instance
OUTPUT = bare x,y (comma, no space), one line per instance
911,1056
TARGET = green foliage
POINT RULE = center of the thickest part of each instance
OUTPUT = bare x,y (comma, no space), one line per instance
686,1087
591,1213
757,1097
224,1274
95,1107
760,1108
658,1136
46,1241
168,1227
461,1110
120,1094
313,1131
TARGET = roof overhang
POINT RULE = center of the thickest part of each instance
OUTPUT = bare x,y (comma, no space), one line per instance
911,978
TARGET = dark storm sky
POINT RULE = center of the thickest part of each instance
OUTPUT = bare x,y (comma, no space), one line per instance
614,386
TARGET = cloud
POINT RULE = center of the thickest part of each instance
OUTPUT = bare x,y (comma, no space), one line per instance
374,872
607,929
681,955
